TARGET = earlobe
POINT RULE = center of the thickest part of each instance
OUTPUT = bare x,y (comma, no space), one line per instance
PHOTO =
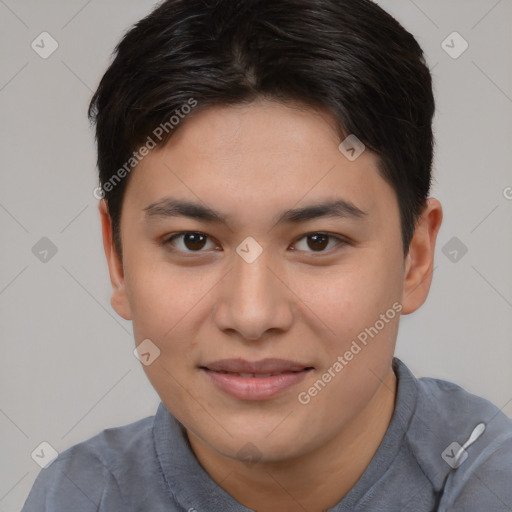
419,263
119,298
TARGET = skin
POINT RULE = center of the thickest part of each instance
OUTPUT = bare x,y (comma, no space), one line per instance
293,302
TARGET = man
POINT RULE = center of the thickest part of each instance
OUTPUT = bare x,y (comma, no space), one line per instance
264,178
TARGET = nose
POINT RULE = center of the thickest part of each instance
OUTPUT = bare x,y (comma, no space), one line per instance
253,299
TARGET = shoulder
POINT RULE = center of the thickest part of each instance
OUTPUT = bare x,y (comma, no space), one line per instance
483,481
88,474
457,411
463,443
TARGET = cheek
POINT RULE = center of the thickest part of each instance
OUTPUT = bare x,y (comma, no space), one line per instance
346,299
165,305
163,299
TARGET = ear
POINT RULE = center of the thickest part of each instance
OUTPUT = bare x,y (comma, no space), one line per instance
419,263
119,299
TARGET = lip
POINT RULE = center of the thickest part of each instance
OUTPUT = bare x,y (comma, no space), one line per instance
232,377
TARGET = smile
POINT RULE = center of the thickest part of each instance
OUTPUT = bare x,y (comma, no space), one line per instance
260,380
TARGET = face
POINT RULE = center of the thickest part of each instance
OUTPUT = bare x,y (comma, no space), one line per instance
255,281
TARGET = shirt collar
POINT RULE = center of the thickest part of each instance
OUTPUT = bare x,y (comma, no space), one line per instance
193,488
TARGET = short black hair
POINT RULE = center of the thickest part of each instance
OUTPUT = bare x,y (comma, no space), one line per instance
348,57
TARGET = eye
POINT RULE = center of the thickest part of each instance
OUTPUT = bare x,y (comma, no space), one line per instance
189,241
319,241
195,241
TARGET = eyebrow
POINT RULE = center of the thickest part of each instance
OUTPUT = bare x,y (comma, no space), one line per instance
173,207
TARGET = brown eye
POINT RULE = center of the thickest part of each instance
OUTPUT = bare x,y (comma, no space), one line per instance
189,241
317,242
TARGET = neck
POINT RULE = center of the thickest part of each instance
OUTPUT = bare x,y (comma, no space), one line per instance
314,481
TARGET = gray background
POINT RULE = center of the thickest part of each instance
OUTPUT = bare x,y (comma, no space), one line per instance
67,369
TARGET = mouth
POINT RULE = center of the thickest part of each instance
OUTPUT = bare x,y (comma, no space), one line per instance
257,375
258,380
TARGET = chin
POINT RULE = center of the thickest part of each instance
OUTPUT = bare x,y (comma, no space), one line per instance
252,448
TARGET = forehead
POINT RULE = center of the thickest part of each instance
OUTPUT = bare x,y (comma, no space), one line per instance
262,129
264,156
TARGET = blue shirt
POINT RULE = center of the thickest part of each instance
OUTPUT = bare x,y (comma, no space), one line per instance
419,466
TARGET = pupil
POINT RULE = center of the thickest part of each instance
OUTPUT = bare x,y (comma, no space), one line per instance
320,241
192,240
196,241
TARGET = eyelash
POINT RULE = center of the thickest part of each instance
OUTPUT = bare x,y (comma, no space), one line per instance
167,241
